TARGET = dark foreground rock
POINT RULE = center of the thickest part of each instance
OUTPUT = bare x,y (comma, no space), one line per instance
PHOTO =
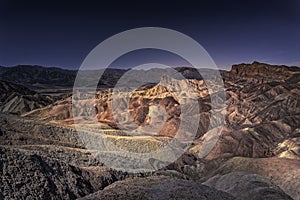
26,175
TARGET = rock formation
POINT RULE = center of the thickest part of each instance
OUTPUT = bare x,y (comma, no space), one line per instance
255,157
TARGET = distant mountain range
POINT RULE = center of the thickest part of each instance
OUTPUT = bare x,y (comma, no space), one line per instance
34,76
38,77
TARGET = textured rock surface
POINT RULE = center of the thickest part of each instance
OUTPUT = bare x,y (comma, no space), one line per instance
246,186
158,188
282,172
26,174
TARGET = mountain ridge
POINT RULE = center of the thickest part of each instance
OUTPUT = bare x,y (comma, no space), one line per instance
35,76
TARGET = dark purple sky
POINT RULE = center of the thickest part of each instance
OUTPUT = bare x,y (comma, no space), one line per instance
62,33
